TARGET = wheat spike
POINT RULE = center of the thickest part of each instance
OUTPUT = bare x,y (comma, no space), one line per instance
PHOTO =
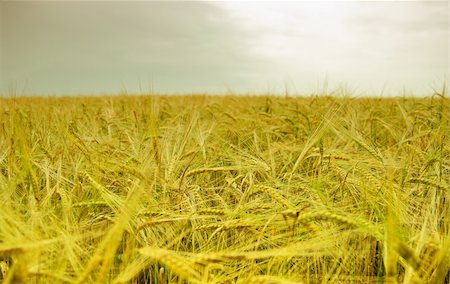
212,211
205,170
178,264
430,182
275,195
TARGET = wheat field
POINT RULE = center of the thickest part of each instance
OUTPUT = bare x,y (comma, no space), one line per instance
224,189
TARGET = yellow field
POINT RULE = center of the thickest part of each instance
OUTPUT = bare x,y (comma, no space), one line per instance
204,189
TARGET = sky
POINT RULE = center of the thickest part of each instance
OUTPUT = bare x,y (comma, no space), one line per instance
246,47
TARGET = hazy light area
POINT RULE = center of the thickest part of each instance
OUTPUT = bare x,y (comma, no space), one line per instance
220,47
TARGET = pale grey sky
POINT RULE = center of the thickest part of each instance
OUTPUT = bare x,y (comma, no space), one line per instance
63,47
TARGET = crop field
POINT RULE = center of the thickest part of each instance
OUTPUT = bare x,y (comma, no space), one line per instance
224,189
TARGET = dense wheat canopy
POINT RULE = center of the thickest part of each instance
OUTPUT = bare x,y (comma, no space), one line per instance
224,189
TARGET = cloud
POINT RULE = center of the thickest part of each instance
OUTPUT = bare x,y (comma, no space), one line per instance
365,44
78,46
68,47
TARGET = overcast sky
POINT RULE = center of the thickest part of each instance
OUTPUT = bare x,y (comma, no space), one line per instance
218,47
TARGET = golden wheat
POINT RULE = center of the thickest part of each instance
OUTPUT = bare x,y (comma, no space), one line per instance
224,189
